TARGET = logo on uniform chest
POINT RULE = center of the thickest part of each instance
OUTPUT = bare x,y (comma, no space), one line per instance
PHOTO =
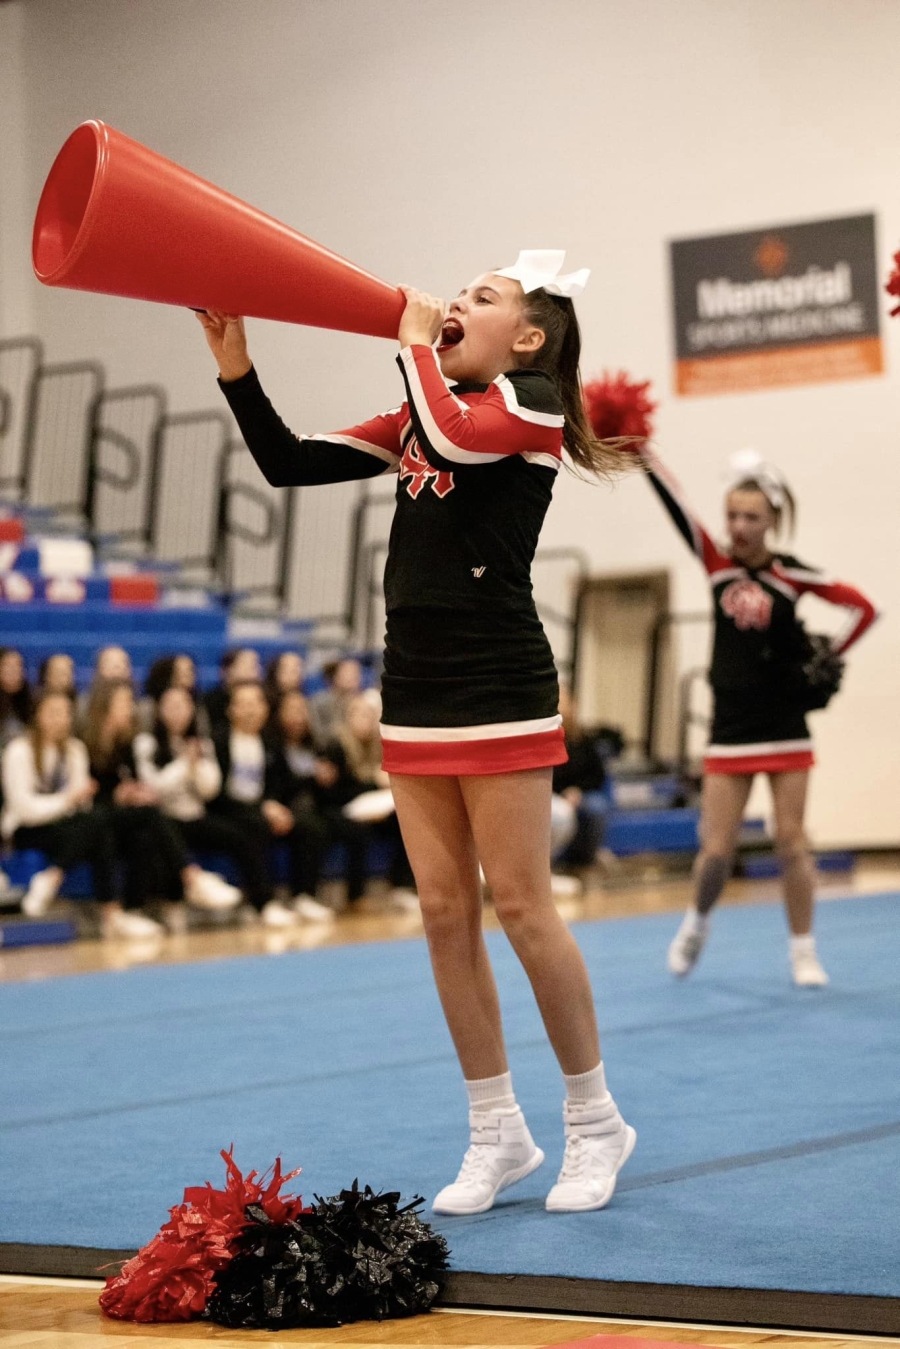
748,604
417,473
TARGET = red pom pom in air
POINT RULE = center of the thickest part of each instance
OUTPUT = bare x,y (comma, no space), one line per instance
893,284
172,1277
618,406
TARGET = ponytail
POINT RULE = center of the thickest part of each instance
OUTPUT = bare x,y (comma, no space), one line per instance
559,357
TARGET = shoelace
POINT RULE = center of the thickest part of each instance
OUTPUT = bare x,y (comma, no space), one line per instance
476,1164
575,1159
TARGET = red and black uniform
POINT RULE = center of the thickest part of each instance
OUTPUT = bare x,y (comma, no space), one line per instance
758,721
469,681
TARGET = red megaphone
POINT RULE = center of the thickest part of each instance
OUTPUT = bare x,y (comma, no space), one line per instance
117,218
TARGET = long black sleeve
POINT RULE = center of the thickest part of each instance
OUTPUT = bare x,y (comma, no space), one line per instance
287,460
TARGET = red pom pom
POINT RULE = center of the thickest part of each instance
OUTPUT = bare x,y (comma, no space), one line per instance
172,1277
617,406
893,283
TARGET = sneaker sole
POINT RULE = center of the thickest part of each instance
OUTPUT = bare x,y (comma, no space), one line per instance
628,1149
511,1178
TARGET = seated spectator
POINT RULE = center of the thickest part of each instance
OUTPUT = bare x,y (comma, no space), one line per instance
180,765
356,754
168,672
15,695
57,675
110,663
297,777
47,797
284,675
157,865
577,831
239,665
327,709
247,801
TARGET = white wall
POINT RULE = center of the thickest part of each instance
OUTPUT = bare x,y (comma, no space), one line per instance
428,141
16,287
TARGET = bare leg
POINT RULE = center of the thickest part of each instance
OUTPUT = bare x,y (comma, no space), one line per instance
722,808
789,798
442,854
510,821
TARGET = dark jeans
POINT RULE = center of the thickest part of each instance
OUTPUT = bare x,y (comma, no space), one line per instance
582,851
308,842
357,839
244,843
306,845
86,836
152,850
247,830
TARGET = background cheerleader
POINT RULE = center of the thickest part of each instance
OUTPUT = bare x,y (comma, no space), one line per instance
761,694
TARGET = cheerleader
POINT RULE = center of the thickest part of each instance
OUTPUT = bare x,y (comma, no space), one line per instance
471,726
759,718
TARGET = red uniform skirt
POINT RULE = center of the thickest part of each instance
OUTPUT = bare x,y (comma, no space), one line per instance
459,751
773,756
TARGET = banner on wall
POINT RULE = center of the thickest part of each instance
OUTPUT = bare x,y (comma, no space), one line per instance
793,304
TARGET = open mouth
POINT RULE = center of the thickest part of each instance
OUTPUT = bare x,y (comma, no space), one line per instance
452,333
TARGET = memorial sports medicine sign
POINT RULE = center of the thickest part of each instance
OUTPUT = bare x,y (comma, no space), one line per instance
795,304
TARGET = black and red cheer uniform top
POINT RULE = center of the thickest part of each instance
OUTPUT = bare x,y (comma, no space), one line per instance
469,682
758,722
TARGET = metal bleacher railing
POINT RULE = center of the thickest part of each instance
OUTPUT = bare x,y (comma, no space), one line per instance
176,491
171,490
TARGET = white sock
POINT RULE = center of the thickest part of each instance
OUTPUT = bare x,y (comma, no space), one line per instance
491,1093
803,946
695,921
584,1087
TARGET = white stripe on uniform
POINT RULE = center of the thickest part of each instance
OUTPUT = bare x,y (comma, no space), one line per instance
767,747
498,730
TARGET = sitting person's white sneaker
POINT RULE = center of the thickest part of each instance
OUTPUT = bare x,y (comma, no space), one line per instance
404,901
276,914
598,1144
565,887
42,890
128,925
311,910
207,890
688,943
501,1152
806,968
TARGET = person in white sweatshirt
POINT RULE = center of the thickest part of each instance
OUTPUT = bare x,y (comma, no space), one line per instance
47,797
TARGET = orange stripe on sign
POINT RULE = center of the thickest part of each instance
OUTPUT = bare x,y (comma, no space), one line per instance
463,758
789,762
811,364
133,589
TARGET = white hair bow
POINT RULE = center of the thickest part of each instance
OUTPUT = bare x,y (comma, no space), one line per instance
749,463
537,267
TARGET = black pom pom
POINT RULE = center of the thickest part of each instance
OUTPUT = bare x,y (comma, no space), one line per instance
358,1256
276,1279
390,1263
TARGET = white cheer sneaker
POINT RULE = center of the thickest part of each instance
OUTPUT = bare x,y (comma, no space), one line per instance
806,969
687,945
598,1144
501,1152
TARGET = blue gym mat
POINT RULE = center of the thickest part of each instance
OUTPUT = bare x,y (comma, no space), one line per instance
768,1118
